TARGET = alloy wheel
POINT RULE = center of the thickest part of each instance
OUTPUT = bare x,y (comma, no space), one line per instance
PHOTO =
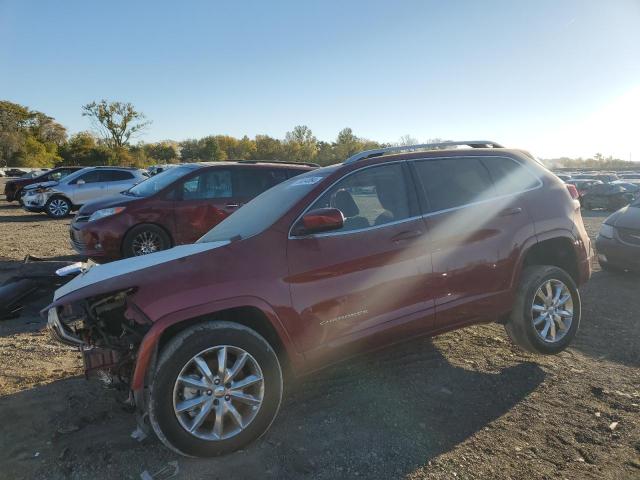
218,393
552,311
58,207
145,243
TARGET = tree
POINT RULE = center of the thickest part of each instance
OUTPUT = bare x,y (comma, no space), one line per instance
28,138
300,144
83,150
116,122
406,140
267,148
162,152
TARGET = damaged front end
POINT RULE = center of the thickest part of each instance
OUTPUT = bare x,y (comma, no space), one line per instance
107,329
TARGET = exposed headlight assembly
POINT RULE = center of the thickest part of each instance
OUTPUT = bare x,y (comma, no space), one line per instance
105,212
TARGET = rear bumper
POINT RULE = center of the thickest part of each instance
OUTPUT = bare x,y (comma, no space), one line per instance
618,254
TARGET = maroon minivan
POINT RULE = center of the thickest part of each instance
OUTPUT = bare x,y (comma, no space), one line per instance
387,246
175,207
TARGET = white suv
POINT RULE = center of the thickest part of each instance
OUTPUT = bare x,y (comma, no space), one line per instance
58,199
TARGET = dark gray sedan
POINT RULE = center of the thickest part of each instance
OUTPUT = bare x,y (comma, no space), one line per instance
618,243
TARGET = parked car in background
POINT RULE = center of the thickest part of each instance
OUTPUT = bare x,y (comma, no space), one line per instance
59,198
14,172
629,185
608,196
563,176
174,207
583,185
390,245
618,242
13,188
630,176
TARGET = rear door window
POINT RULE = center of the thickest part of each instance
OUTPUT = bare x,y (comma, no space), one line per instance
453,182
115,176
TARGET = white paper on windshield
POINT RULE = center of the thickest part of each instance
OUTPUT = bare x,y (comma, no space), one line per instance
306,181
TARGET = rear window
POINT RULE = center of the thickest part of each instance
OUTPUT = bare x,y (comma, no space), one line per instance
453,182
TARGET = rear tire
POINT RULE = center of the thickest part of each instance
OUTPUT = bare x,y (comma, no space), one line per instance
58,207
145,239
527,324
243,418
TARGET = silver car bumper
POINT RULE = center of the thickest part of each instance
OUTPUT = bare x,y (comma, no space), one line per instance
59,332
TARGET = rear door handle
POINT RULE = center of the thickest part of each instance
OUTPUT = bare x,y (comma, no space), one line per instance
510,211
406,235
232,205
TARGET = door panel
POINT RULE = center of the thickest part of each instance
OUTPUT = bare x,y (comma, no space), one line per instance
477,229
91,189
354,281
204,200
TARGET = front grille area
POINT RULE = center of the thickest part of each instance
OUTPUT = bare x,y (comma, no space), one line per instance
630,236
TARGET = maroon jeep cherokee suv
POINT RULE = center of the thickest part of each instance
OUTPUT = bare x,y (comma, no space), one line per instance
389,245
175,207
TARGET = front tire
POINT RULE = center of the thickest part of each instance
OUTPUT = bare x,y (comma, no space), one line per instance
217,387
58,207
546,315
145,239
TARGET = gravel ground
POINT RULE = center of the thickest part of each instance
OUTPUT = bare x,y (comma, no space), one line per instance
463,405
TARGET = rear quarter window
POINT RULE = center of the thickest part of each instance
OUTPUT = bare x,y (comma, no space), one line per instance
509,176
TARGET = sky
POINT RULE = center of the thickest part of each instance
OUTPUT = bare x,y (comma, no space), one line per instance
559,78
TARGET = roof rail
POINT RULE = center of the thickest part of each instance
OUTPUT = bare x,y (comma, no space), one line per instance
423,146
307,164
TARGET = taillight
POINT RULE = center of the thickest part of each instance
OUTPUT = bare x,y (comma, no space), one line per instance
573,191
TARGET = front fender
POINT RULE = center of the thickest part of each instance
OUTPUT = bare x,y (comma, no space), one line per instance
151,340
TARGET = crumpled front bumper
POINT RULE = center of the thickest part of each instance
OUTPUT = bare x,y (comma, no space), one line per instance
60,332
35,202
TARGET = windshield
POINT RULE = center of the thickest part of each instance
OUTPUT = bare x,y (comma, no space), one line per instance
262,212
156,183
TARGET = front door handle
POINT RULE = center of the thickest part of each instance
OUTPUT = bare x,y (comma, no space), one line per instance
510,211
232,205
406,235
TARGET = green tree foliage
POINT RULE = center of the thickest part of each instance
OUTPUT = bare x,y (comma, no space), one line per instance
163,152
205,149
28,138
82,149
268,148
116,122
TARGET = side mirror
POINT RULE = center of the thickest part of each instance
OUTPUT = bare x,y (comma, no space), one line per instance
319,220
80,182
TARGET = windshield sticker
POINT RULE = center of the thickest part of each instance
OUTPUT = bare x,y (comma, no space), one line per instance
306,181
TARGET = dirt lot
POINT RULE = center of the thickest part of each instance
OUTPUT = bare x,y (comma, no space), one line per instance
463,405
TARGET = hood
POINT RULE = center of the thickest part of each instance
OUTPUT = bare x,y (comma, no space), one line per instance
122,274
626,217
35,185
118,200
